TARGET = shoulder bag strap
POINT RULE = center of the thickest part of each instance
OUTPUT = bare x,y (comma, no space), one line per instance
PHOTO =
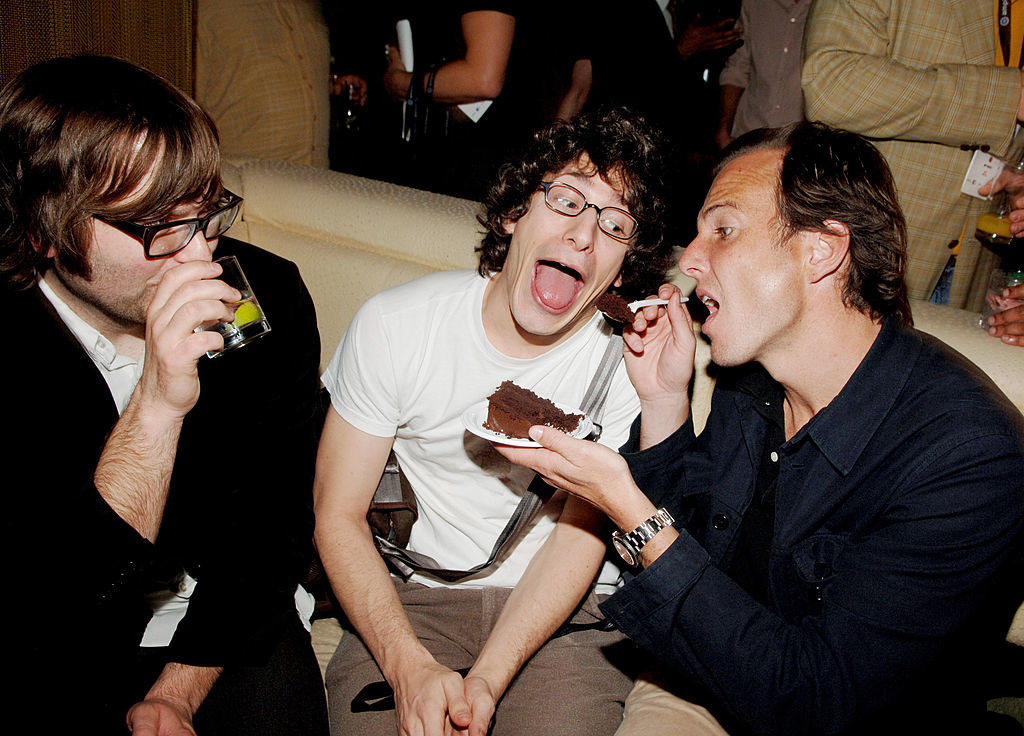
538,492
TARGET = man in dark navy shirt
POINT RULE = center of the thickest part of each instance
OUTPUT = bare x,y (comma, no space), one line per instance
836,552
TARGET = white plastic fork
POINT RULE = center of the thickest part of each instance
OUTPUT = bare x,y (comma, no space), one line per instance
640,304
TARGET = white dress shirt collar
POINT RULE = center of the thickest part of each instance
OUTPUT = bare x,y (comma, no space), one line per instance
120,372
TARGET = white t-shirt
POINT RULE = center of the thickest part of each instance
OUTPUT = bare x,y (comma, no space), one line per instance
412,360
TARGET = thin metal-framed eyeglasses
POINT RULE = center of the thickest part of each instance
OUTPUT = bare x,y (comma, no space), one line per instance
568,200
164,239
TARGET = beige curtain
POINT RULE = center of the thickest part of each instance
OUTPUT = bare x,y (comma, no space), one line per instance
155,34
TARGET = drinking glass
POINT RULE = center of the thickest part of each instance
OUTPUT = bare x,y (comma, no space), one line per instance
249,322
994,300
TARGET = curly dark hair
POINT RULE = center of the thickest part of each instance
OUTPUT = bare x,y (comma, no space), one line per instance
94,136
619,145
833,174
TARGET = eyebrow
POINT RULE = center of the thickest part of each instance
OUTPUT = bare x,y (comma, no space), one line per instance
705,213
618,202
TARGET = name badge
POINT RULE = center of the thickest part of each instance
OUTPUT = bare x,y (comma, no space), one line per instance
984,169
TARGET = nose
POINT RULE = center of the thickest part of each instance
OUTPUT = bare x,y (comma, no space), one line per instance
693,260
583,230
198,248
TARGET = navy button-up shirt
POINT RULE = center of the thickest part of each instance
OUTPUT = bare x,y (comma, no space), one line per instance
899,511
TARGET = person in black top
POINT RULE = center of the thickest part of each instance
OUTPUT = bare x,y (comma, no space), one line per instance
487,76
841,545
665,66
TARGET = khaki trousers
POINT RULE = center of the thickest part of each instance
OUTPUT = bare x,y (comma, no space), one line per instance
574,685
652,710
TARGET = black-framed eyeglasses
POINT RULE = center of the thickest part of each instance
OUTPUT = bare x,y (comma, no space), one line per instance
164,239
568,200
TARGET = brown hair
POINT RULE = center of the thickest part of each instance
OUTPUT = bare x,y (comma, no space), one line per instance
94,136
619,145
833,174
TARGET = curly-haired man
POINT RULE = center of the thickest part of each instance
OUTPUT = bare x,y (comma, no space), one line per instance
411,363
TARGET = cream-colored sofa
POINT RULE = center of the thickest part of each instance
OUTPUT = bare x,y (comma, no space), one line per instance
352,237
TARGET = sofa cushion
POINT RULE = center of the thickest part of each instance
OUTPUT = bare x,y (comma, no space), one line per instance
378,217
339,286
959,329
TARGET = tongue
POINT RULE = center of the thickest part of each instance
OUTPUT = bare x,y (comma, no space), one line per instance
555,288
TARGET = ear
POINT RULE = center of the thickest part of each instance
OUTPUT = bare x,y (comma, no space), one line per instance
618,280
46,252
509,226
827,250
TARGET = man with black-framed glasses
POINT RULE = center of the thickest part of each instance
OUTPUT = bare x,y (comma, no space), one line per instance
164,239
517,641
153,562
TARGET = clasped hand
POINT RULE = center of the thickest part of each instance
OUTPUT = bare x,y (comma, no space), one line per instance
436,701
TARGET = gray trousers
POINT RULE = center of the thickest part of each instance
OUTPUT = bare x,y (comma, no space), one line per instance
574,684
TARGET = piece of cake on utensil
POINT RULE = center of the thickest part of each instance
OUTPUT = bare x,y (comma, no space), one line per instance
619,310
615,307
512,410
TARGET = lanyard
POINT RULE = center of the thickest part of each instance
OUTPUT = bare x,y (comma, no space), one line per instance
1005,33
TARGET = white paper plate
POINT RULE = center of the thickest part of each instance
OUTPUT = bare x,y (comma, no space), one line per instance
475,416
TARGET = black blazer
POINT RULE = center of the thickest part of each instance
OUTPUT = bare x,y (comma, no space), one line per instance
238,516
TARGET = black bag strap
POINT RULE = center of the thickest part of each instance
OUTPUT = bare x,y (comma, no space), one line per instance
535,496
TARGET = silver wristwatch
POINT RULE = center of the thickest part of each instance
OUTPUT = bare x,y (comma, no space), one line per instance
630,544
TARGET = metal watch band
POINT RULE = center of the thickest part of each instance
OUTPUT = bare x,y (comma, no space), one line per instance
630,544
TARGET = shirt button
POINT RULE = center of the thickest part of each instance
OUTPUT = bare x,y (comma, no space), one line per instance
774,456
785,49
720,521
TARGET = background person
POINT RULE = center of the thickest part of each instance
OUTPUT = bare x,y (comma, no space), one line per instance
759,86
928,82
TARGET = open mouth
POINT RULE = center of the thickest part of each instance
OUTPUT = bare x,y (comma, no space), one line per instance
710,304
555,285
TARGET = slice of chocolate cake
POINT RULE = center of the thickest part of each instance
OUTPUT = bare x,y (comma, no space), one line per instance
512,410
615,307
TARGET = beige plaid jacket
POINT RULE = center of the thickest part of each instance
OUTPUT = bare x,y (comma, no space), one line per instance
919,78
263,74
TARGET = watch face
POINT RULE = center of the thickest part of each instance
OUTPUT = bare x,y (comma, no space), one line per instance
624,551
